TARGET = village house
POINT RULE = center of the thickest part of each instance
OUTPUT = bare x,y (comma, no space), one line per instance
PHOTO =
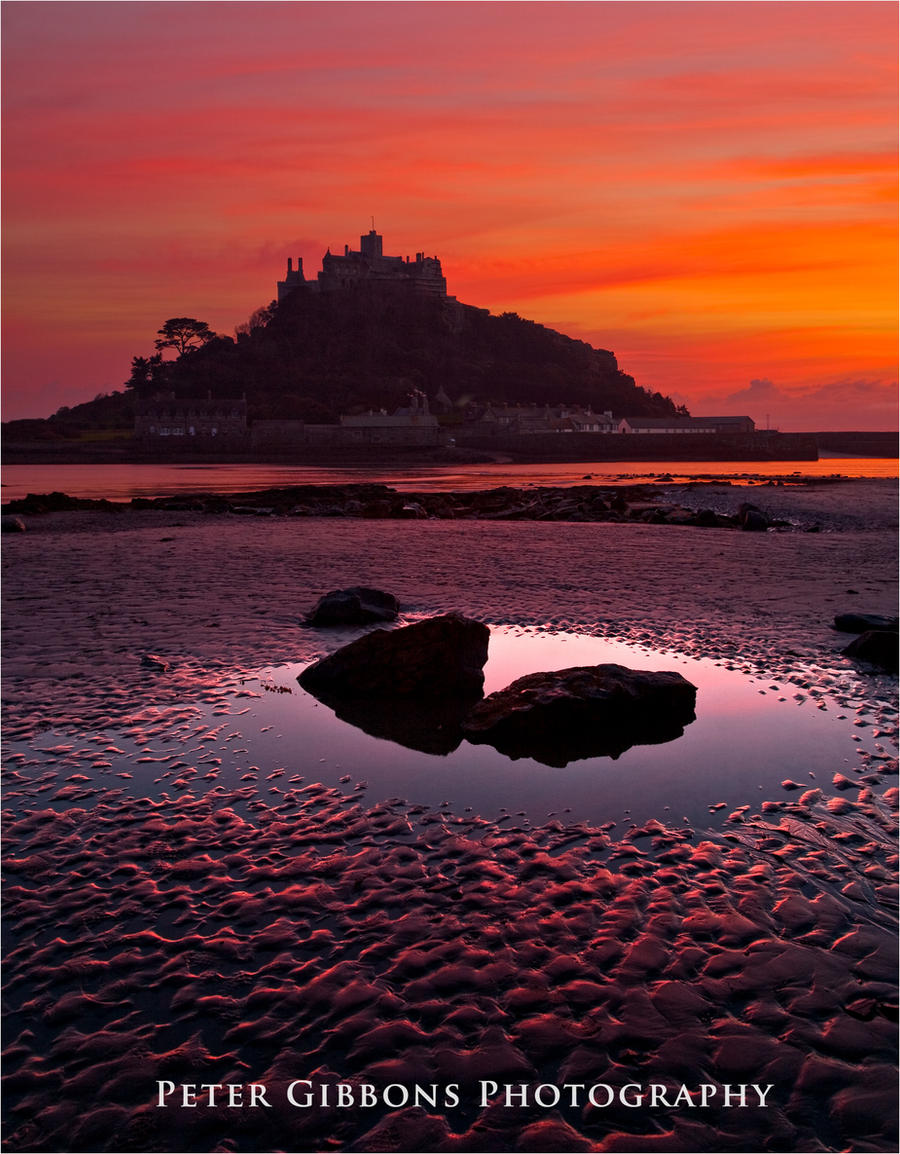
534,419
197,421
410,425
715,425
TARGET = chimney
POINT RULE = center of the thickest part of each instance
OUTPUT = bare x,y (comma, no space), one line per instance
290,266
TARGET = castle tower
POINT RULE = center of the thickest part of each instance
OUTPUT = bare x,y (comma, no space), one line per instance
370,245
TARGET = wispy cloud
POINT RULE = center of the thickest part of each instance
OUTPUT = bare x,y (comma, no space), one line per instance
658,177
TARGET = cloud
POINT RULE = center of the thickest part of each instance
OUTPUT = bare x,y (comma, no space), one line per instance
848,403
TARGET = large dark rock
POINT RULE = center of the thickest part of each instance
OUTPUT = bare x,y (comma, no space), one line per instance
412,685
358,605
877,646
441,656
861,622
588,711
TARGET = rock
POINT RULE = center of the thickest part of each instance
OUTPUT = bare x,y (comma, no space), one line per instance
441,656
10,524
751,519
877,646
376,510
151,661
358,605
861,622
412,685
587,711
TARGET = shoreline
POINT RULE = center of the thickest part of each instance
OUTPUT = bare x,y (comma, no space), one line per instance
780,503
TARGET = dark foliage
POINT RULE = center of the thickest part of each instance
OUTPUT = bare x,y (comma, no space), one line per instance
318,355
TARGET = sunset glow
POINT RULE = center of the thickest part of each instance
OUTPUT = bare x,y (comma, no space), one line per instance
709,190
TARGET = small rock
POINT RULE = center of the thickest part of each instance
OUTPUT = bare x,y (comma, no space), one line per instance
151,661
358,605
862,622
11,524
752,519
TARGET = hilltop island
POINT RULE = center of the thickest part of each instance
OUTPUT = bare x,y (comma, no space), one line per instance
372,360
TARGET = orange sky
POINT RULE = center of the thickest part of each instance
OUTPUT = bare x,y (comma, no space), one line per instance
709,190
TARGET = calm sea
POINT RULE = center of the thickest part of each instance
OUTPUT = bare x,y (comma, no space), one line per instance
122,482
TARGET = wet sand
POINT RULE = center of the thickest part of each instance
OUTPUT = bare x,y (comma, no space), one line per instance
288,930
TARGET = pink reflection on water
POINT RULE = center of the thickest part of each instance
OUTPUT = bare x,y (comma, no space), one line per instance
122,482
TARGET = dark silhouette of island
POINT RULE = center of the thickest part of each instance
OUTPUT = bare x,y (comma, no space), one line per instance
373,354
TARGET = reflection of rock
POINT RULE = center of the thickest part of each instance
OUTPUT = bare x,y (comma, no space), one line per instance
877,646
588,711
412,685
439,656
355,606
860,622
431,725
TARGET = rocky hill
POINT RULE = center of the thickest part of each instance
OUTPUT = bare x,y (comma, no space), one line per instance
319,354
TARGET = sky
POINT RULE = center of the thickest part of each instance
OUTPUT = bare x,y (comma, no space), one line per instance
707,189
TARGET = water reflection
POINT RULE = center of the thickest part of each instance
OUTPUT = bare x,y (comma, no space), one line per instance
747,738
270,737
122,482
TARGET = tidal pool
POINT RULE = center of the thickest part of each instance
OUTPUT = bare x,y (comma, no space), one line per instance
270,737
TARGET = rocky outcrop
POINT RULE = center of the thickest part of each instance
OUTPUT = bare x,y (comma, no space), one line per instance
620,504
59,503
587,711
358,605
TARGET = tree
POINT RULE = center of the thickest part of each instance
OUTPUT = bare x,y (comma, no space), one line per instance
144,372
184,334
258,320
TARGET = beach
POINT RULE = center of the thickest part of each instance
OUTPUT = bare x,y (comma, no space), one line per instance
290,931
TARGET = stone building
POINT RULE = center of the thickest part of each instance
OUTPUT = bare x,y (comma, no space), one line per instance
412,425
523,420
167,420
678,424
368,265
293,279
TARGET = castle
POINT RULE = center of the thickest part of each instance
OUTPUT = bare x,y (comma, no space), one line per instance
369,265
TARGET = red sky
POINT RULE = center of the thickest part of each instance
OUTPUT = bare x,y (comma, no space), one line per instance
709,190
